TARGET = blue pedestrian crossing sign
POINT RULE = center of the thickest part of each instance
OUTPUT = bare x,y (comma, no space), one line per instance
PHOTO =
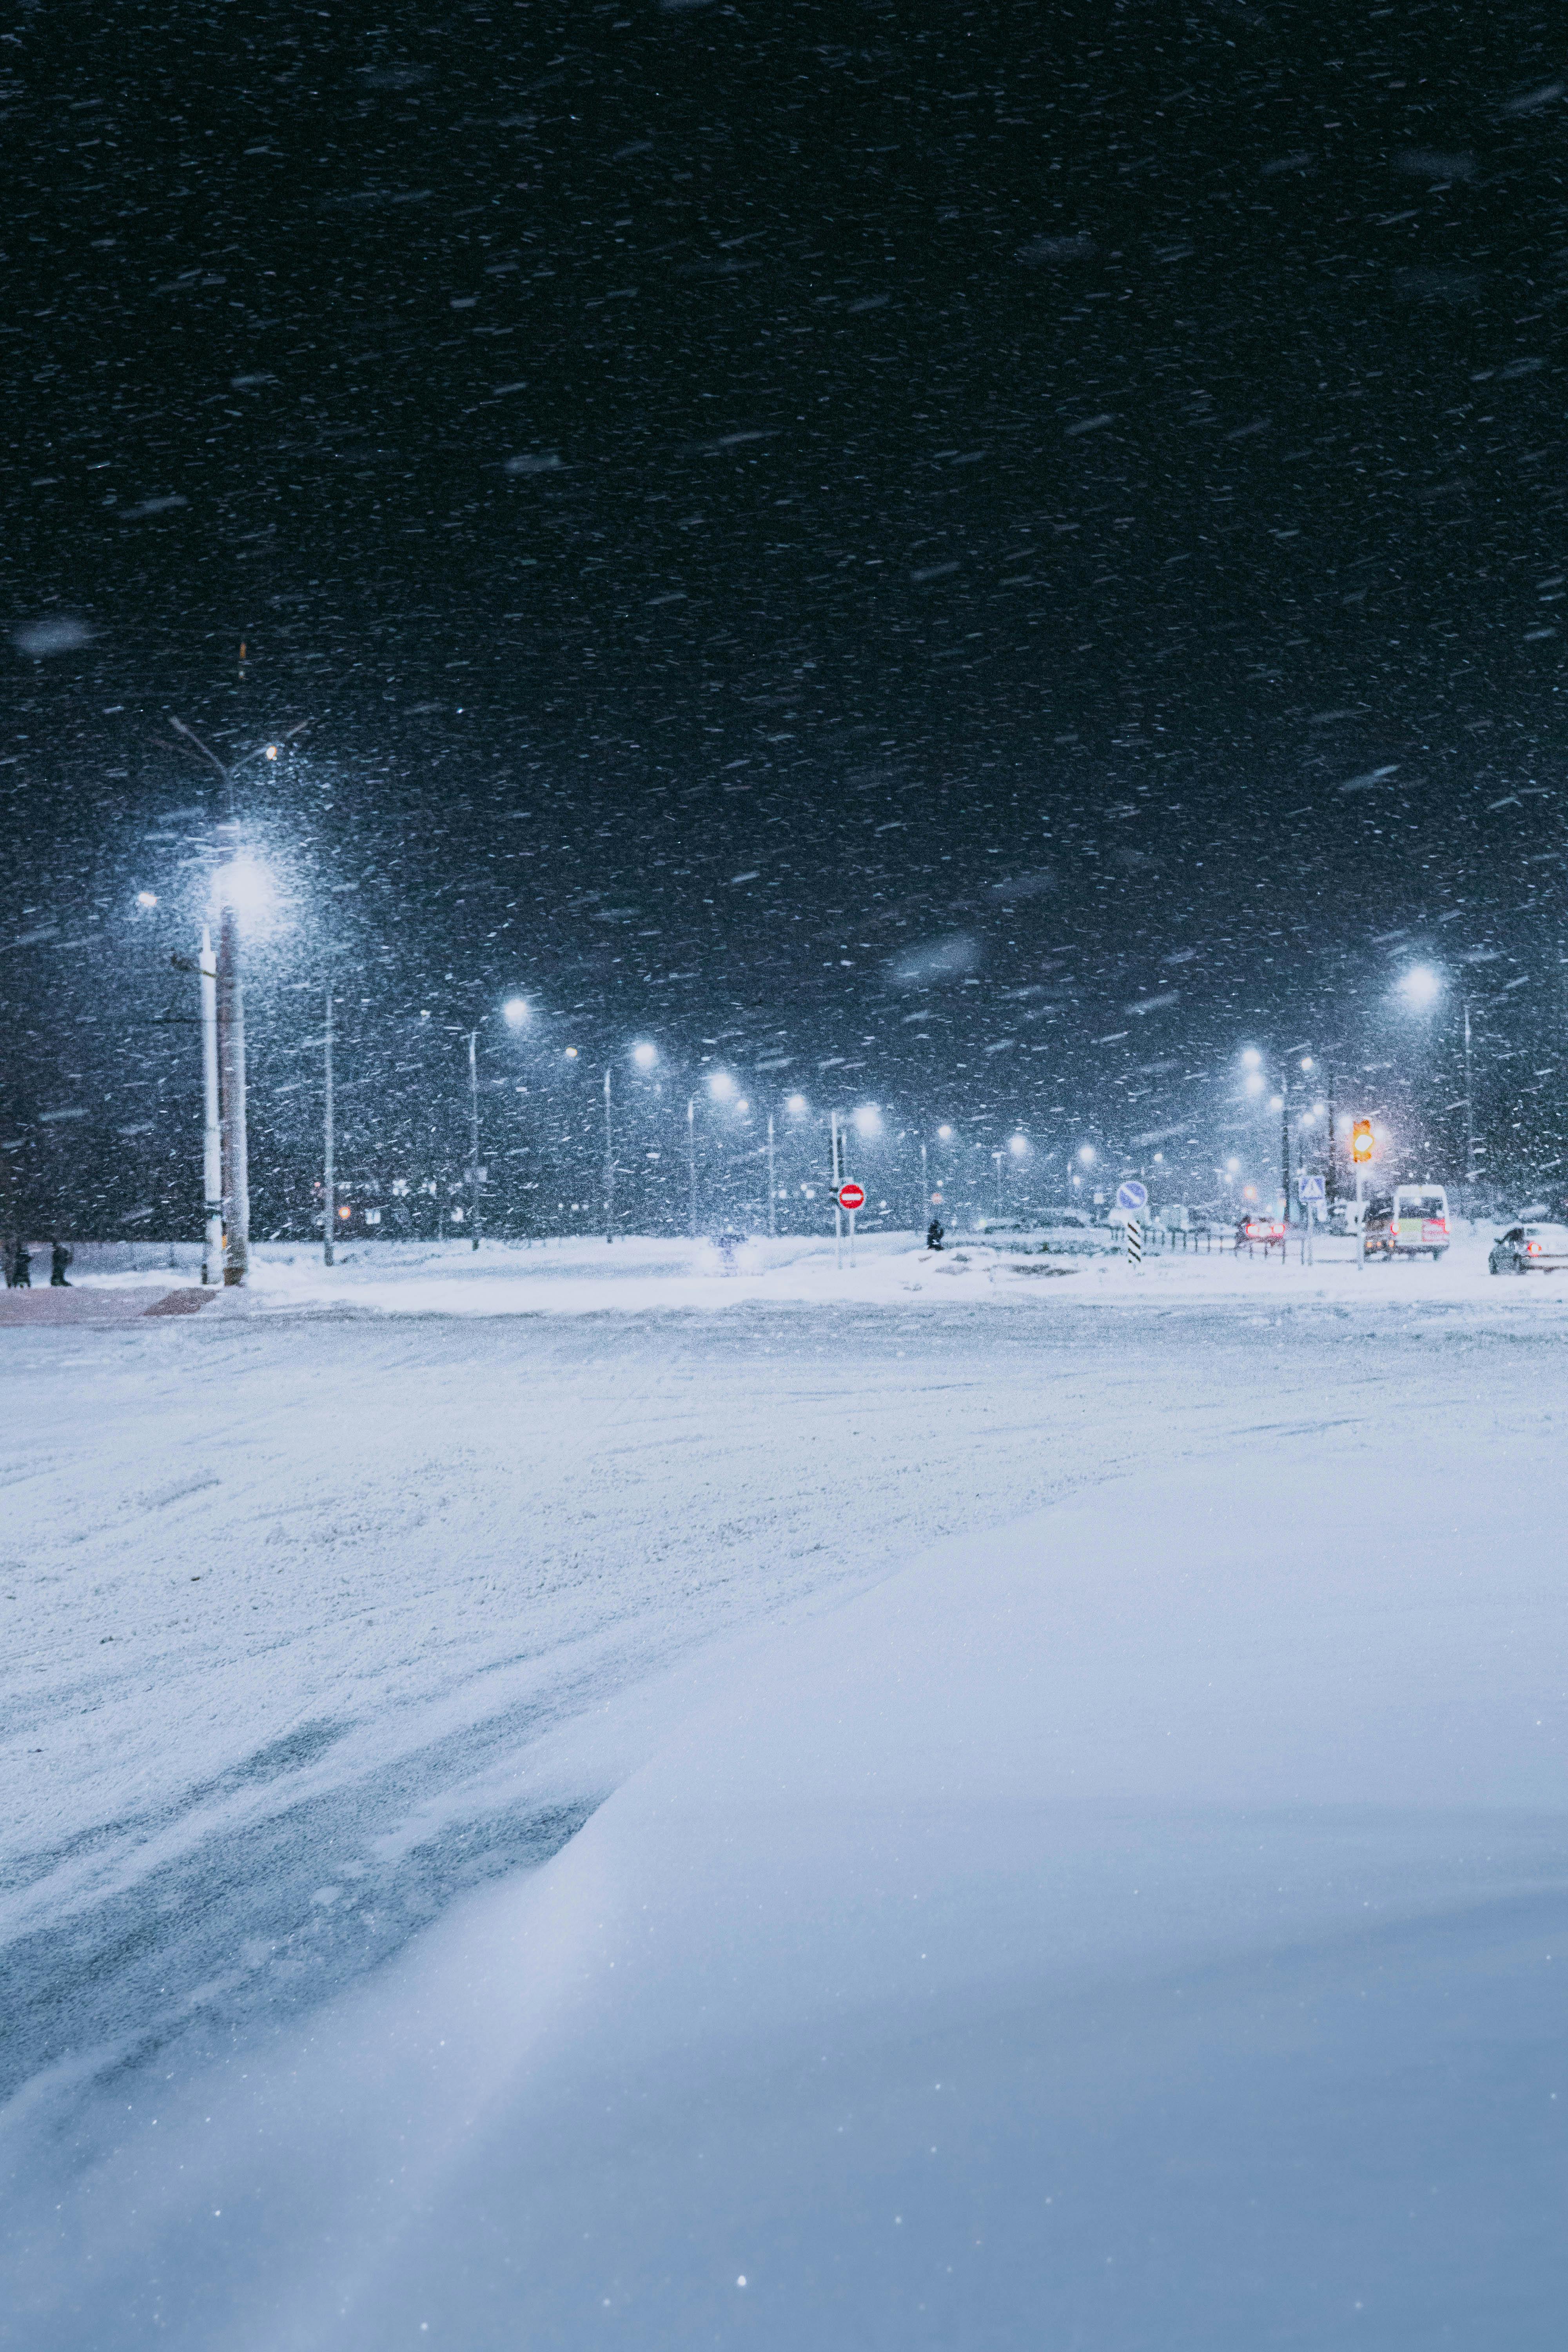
1310,1188
1132,1197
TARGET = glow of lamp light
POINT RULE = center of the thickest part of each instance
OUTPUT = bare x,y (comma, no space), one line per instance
645,1056
1017,1145
868,1119
1250,1057
1276,1102
1421,986
721,1085
1086,1155
795,1106
1254,1081
945,1135
146,898
245,885
514,1012
571,1053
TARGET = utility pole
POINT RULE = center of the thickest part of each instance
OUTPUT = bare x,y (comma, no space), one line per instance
1285,1142
328,1174
691,1156
236,1164
609,1167
837,1179
924,1217
1469,1125
1331,1180
212,1131
473,1138
772,1188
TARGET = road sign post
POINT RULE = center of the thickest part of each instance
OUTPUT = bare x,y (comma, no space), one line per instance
1132,1199
850,1197
1310,1190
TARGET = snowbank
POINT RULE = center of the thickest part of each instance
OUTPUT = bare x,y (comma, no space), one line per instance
1136,1930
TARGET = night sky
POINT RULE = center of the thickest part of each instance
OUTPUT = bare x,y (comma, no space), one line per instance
977,559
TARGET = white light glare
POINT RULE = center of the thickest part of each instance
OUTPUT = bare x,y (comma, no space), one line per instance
1306,1061
721,1085
868,1119
645,1056
1086,1155
1017,1145
1251,1058
1231,1166
514,1012
245,885
146,898
1276,1102
1254,1081
795,1106
1421,986
945,1135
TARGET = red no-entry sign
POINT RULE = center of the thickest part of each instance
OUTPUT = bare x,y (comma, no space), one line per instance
851,1196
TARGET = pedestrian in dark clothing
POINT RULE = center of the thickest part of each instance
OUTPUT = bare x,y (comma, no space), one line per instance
20,1273
934,1234
60,1258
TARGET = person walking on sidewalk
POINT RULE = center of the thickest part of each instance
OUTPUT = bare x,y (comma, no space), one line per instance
18,1265
60,1258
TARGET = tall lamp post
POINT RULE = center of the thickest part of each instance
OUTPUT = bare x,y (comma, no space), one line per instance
229,1013
473,1138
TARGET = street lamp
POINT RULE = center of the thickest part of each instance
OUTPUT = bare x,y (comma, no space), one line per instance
241,887
515,1012
1421,987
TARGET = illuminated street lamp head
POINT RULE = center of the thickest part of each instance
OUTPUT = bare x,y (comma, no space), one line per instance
1250,1057
1017,1145
1276,1102
514,1012
1086,1155
868,1119
1254,1081
1421,986
1231,1167
571,1053
1306,1061
146,898
645,1056
795,1106
721,1085
944,1134
272,750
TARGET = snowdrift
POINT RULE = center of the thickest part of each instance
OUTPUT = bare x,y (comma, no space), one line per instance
1144,1928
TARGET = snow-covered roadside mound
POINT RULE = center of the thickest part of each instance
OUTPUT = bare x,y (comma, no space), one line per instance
1134,1930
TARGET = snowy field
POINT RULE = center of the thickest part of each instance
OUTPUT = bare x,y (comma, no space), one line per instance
558,1794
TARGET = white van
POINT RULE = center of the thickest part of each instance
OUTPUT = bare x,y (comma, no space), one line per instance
1414,1223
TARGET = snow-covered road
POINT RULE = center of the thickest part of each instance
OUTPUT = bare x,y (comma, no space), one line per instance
315,1620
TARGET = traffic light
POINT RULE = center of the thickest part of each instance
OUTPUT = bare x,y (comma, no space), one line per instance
1360,1142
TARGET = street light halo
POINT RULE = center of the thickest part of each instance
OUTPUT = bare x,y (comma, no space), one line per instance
515,1012
645,1055
1421,986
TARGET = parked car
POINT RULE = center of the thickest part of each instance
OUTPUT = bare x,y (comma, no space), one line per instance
1410,1222
1531,1249
1261,1233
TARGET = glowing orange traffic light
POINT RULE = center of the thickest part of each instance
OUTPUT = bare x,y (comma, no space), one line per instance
1360,1142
